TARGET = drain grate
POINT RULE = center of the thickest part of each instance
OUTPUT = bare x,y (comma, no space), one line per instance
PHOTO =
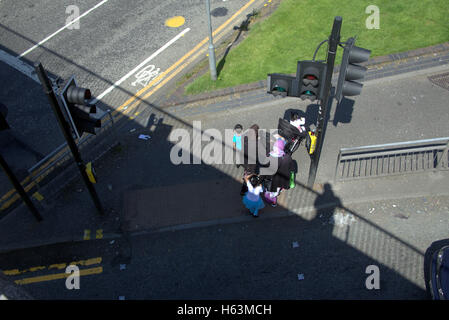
441,80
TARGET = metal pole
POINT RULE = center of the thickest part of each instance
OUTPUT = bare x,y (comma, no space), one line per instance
212,64
19,189
334,40
48,90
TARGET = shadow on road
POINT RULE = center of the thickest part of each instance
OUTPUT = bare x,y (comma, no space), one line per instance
152,193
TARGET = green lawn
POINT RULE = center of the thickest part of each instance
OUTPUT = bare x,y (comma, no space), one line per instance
294,30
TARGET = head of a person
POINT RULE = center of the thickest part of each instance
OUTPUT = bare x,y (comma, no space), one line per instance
254,180
238,129
294,117
254,131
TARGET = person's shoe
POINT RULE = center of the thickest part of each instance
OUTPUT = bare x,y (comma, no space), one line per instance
274,205
255,215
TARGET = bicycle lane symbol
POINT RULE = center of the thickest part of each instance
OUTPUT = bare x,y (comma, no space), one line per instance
144,76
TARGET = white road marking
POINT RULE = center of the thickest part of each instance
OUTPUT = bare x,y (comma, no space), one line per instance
117,83
61,29
144,76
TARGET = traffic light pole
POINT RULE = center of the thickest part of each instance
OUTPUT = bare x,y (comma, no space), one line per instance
19,188
67,133
334,40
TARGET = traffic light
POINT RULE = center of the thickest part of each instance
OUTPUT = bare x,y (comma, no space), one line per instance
79,110
282,84
311,76
350,71
3,113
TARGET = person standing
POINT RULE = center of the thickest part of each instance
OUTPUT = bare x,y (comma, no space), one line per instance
237,140
281,179
252,199
249,153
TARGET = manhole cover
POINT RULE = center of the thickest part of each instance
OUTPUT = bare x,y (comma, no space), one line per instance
219,12
441,80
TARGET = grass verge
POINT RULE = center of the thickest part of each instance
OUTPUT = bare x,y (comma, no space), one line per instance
294,30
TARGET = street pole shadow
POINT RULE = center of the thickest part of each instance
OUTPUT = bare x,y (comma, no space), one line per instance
343,111
244,26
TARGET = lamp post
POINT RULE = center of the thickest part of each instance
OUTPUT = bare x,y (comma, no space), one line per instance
212,65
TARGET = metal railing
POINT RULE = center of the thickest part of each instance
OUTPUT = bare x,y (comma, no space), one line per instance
392,159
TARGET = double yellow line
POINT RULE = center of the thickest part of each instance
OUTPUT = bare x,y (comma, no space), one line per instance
83,272
180,64
134,101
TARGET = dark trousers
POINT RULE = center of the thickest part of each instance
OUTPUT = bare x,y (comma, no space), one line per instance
244,188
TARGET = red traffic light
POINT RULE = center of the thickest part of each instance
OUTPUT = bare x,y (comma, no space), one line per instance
78,95
310,79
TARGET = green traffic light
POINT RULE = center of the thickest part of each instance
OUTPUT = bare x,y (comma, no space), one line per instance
277,88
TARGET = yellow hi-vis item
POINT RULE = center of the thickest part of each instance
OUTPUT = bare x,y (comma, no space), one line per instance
312,142
91,173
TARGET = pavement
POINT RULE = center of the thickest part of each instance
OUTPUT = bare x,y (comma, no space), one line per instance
143,192
323,256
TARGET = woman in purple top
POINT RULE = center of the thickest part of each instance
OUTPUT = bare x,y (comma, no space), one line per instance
281,179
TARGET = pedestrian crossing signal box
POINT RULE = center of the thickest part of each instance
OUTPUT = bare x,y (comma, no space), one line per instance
311,142
91,173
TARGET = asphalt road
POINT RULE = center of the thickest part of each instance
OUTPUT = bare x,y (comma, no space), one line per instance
121,43
111,40
325,257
